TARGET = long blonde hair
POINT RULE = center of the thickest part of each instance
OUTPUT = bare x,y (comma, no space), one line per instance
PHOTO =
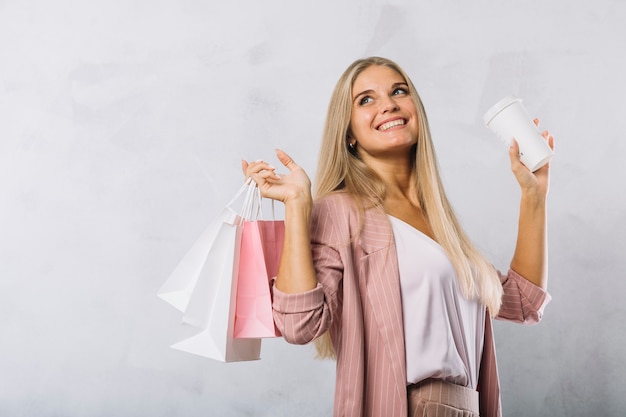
339,168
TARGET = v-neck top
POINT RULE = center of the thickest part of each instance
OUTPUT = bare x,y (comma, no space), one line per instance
444,331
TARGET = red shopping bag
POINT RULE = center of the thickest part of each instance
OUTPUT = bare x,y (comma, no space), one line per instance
259,256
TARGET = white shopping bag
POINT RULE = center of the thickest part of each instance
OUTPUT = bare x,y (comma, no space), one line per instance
204,285
181,283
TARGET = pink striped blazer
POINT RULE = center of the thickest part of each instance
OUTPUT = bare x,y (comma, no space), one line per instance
358,300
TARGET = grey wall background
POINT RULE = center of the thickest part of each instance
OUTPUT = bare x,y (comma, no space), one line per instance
121,129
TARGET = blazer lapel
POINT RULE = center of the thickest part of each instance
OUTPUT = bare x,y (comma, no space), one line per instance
379,267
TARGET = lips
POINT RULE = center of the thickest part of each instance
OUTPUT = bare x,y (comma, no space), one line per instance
391,123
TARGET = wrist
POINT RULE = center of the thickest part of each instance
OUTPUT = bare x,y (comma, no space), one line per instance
299,196
299,201
534,197
533,206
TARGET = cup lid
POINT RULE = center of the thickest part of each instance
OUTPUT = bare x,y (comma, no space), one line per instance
498,107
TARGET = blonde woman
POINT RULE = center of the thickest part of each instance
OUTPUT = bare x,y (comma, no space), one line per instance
377,269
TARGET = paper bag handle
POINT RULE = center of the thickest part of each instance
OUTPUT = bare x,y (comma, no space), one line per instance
252,207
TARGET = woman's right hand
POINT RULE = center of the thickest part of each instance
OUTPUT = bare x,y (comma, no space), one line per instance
296,273
292,187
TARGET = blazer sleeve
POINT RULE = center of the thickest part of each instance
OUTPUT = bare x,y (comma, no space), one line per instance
303,317
523,301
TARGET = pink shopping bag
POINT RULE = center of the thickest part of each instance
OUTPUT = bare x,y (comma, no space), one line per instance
259,257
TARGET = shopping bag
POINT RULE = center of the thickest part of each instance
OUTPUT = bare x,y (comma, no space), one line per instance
207,289
180,284
261,247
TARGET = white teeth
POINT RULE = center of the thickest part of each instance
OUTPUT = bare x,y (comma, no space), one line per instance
391,124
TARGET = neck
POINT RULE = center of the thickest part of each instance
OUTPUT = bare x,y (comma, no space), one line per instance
398,174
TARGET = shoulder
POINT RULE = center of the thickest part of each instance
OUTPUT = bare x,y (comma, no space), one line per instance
334,219
341,215
337,202
334,211
345,206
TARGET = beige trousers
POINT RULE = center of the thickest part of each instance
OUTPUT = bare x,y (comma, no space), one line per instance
436,398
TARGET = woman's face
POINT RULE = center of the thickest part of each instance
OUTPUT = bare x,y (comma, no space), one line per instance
384,118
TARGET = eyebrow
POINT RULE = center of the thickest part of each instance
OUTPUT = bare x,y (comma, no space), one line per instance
393,86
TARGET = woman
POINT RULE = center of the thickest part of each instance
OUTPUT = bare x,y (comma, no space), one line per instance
378,270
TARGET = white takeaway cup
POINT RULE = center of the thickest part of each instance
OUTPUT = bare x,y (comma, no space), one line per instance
509,119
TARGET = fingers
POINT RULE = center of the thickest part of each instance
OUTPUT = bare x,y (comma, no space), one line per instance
514,152
260,171
549,138
546,135
551,142
286,160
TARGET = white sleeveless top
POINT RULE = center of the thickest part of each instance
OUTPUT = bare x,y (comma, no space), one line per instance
443,331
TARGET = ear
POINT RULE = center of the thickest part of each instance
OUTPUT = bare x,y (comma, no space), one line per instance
350,139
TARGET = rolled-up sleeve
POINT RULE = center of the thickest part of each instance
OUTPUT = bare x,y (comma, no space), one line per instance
523,301
303,317
299,317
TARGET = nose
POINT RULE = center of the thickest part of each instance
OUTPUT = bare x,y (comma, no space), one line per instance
388,105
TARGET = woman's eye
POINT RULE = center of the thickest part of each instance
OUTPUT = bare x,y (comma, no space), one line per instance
399,91
365,100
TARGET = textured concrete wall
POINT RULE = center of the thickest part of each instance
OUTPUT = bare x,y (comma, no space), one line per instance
121,129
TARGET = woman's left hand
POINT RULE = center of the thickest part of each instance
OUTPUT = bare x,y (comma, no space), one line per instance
534,182
530,259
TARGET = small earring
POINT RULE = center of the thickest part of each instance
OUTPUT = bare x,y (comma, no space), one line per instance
352,145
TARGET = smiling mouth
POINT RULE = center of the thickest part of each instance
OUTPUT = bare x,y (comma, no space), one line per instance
393,123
